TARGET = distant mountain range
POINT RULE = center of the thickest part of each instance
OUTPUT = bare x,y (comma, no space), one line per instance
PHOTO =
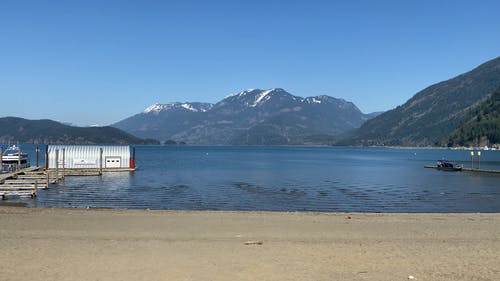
429,117
462,111
13,130
251,117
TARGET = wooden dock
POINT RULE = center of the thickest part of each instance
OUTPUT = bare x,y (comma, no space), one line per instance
469,170
90,172
26,182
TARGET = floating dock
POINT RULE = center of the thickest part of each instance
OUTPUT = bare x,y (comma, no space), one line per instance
26,182
13,184
468,170
89,172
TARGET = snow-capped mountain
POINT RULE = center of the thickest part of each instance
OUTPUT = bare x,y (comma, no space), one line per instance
253,116
256,97
191,106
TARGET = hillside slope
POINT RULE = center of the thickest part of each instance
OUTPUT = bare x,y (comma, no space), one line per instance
432,114
482,126
13,129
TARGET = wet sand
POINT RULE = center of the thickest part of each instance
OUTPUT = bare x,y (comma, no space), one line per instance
70,244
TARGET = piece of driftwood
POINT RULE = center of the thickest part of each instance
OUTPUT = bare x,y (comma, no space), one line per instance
253,243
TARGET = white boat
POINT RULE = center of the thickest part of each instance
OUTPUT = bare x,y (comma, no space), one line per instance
13,158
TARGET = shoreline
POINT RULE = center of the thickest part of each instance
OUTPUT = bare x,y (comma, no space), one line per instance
111,244
22,205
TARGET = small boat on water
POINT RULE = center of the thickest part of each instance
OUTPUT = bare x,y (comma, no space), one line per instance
13,158
446,165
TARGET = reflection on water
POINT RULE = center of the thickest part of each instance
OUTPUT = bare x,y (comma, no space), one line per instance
285,179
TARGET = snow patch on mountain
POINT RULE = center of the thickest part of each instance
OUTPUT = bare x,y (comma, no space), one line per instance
194,107
240,94
155,108
261,96
189,107
313,100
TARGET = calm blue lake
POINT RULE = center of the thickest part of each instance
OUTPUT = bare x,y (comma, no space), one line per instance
284,179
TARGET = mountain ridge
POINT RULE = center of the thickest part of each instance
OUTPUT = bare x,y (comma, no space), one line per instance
277,116
16,129
432,113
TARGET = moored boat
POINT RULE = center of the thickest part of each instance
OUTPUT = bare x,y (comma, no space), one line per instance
446,165
13,158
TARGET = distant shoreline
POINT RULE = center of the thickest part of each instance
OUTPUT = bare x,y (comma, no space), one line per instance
291,145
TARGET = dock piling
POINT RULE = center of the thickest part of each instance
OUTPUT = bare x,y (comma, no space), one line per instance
46,157
18,159
100,161
37,150
57,165
63,163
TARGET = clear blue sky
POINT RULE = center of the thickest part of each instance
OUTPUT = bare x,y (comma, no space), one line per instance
89,62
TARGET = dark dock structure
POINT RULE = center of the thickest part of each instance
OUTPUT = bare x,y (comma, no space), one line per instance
469,170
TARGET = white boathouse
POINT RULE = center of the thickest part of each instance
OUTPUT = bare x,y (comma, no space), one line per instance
88,157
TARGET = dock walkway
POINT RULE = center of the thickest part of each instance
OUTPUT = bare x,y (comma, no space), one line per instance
26,182
469,170
5,176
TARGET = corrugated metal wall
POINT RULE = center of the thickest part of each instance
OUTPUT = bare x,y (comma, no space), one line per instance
87,156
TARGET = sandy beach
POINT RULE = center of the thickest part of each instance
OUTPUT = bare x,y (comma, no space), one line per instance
71,244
